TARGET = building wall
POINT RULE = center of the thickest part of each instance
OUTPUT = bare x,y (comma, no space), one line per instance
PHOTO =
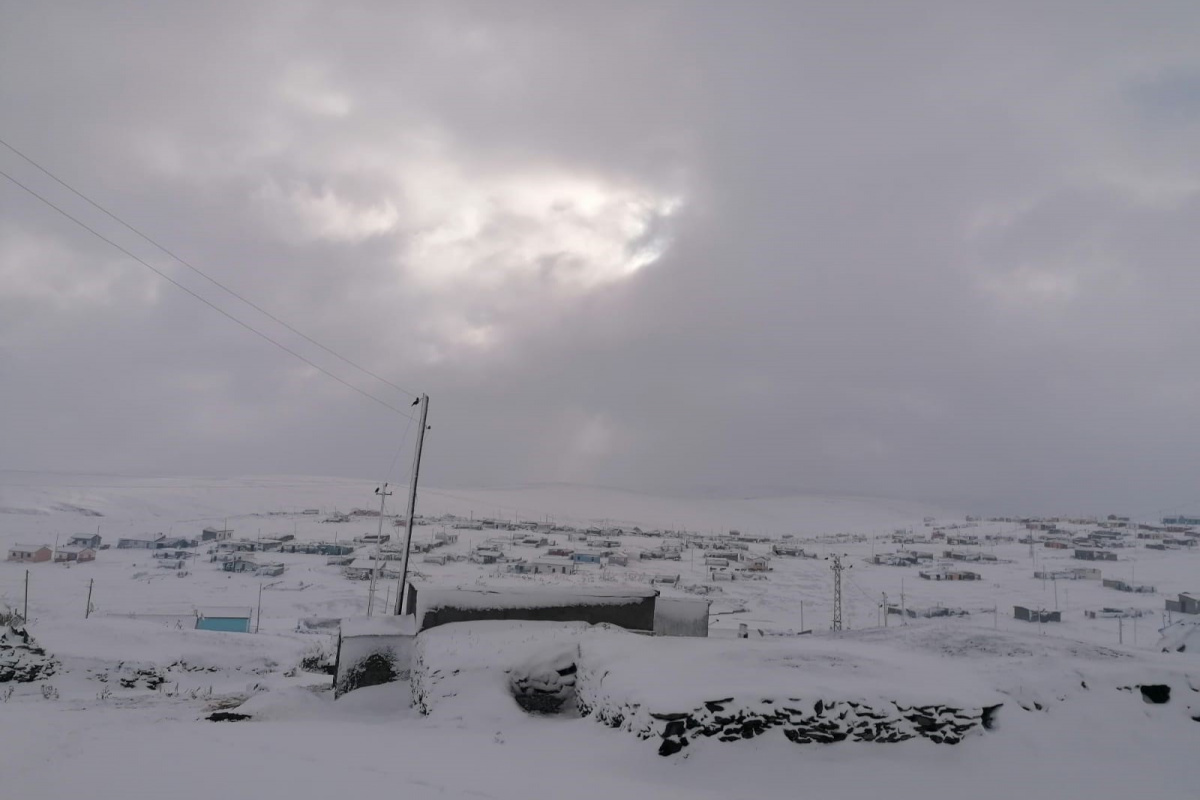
635,615
680,616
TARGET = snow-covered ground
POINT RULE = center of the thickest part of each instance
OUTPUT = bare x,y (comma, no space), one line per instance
131,694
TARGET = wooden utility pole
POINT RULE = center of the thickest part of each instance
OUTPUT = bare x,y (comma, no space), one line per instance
25,613
384,494
402,595
88,612
258,614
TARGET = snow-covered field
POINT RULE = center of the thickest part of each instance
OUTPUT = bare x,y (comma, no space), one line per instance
125,714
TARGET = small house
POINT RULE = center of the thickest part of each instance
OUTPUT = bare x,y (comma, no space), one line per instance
139,542
172,543
239,564
91,540
758,564
586,557
484,555
1095,555
216,534
1188,603
1036,615
29,553
360,569
80,554
271,570
552,566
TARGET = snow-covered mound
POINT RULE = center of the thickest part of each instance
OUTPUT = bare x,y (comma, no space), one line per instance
474,669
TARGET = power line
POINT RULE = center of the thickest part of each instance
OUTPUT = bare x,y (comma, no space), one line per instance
206,301
201,273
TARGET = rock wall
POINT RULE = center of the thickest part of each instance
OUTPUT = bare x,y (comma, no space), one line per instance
801,720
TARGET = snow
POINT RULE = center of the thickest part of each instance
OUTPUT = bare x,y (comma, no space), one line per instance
130,696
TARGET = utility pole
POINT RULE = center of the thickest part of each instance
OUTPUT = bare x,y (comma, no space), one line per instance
383,496
25,613
258,614
885,610
402,595
837,568
88,612
903,607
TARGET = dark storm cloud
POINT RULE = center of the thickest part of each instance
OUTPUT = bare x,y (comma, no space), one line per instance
943,251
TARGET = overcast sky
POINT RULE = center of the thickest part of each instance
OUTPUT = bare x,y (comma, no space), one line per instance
940,251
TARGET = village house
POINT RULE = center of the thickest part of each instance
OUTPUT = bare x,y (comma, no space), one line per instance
360,569
173,543
1036,615
216,534
239,564
139,542
29,553
949,575
91,540
484,555
758,564
587,557
271,570
1095,555
1187,603
79,554
1122,586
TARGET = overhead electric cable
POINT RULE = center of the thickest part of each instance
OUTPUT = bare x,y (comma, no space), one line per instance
205,300
201,273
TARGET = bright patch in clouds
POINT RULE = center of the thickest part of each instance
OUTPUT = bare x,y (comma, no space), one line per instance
560,230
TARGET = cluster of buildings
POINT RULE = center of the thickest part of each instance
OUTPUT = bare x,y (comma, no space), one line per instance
79,549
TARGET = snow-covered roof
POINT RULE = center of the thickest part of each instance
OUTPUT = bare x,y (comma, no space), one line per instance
28,547
225,612
431,598
379,626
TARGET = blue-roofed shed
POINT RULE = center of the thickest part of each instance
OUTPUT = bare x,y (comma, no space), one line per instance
223,618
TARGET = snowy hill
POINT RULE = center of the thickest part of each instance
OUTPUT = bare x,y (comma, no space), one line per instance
49,501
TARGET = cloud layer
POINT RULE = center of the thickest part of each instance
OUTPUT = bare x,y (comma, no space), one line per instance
945,251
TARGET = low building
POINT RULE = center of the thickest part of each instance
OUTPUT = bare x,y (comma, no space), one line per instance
949,575
587,557
271,570
216,534
630,608
1036,614
223,618
139,542
552,566
485,555
173,543
1095,555
1187,603
360,569
239,564
30,553
91,540
79,554
1122,586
